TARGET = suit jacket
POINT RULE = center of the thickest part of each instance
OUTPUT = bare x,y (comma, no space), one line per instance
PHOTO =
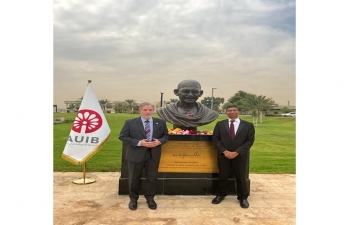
242,142
133,131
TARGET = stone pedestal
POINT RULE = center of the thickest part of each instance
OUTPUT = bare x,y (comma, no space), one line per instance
185,168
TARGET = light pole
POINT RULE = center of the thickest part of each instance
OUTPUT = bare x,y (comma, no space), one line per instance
212,97
161,99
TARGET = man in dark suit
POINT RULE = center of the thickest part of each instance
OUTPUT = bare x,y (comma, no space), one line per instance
232,141
143,136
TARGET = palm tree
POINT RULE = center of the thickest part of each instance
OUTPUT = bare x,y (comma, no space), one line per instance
130,104
121,107
259,103
252,103
103,104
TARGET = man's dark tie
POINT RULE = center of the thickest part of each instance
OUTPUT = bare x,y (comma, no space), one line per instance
148,130
232,130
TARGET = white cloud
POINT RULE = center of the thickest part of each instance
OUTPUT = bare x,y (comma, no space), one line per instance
124,43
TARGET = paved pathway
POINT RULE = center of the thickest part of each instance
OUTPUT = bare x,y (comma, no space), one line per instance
272,202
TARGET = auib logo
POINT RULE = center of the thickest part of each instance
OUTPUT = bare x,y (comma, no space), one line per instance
87,121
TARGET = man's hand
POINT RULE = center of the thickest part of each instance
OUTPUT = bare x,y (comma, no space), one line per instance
230,155
156,141
151,144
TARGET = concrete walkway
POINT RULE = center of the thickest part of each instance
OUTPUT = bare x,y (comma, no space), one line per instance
272,201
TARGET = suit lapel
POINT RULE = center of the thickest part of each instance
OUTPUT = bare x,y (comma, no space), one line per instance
141,127
227,127
240,127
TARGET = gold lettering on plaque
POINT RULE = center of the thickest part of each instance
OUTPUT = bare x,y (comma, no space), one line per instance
188,157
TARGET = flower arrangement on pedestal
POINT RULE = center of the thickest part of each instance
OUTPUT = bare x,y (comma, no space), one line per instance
189,132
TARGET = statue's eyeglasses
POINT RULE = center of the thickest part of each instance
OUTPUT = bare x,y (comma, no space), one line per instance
186,91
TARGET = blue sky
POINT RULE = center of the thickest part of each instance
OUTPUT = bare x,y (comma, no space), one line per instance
124,45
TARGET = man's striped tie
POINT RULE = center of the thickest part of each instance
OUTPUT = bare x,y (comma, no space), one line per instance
148,130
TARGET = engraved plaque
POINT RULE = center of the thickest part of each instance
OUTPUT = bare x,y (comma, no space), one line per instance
188,157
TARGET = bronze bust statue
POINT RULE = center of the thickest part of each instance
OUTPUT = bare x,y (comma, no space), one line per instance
187,113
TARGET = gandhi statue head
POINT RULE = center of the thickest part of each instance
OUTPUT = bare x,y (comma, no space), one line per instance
188,91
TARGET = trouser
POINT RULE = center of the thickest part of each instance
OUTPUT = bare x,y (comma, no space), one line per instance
135,174
238,167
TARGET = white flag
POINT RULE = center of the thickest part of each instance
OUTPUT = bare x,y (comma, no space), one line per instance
90,130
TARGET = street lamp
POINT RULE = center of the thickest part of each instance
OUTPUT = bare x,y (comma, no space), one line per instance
161,99
212,97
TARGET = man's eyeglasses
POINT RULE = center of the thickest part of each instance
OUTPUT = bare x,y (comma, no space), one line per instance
186,91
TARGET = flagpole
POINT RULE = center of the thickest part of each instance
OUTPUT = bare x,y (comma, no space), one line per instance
88,110
84,173
84,180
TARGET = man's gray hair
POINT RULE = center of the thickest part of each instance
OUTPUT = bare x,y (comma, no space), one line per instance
146,103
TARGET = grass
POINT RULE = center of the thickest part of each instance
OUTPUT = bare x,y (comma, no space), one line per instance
274,150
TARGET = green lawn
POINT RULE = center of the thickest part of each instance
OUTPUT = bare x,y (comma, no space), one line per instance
272,152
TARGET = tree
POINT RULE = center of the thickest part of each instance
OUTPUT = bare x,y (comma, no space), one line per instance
130,103
216,102
251,102
237,99
121,107
286,109
259,103
103,104
74,107
78,104
109,106
255,118
206,101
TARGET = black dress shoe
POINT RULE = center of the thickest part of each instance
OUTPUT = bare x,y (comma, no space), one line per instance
244,203
152,204
218,199
133,205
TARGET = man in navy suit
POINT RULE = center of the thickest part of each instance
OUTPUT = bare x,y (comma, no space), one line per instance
232,140
143,153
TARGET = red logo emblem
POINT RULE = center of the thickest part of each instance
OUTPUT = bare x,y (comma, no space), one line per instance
87,121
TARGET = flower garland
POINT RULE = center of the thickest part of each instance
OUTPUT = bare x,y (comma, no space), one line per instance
189,132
